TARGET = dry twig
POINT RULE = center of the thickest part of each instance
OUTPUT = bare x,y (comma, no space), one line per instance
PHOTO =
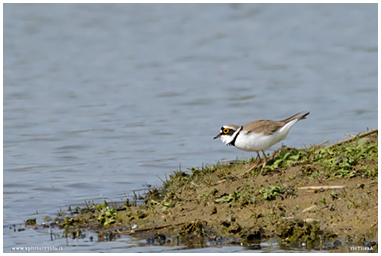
322,187
357,136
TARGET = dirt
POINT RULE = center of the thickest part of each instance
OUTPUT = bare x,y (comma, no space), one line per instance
225,203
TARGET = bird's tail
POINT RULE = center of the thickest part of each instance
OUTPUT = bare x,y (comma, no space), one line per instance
296,117
303,116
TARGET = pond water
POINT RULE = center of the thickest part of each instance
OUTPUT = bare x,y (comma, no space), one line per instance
103,99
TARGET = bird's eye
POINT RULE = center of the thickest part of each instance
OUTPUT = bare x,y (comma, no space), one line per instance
226,130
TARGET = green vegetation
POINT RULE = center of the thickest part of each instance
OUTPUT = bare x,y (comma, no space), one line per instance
270,193
338,161
225,199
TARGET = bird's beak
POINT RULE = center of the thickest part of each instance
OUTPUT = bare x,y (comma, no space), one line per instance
219,135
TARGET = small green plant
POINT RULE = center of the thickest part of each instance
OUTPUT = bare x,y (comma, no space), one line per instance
270,193
373,173
224,199
107,217
287,157
243,197
167,204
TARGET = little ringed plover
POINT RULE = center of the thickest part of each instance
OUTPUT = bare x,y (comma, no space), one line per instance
258,135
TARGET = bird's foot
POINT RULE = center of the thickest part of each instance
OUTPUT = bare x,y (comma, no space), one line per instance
253,167
264,164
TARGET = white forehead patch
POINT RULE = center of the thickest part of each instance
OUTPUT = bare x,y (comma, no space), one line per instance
229,127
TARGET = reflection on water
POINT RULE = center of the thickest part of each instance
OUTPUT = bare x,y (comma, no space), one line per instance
104,242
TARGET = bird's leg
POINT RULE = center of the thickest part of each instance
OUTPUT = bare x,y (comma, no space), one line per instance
264,155
258,158
256,165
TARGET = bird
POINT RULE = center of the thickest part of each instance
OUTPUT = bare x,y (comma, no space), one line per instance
258,135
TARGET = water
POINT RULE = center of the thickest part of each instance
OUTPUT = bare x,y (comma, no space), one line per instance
100,99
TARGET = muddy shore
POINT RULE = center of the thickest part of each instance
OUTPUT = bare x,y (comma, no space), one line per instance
322,197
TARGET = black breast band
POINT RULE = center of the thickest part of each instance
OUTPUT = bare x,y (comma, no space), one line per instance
235,137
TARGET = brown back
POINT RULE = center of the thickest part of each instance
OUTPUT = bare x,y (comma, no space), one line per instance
268,127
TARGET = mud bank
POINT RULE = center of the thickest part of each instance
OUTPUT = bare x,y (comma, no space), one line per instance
322,197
